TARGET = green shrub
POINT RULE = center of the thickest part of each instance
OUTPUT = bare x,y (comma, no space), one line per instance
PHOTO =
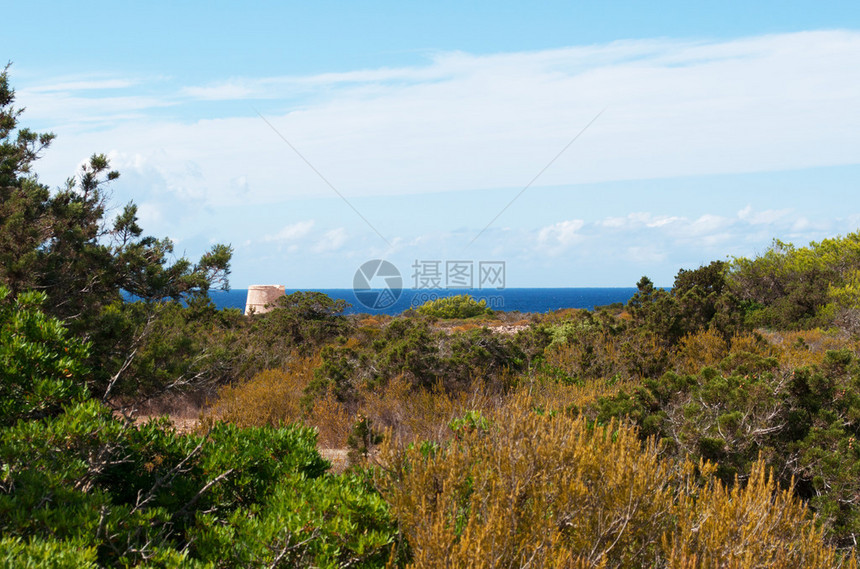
41,365
236,497
45,554
80,487
792,287
321,522
362,438
303,321
459,306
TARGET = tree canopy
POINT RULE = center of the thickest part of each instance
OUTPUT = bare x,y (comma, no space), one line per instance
62,242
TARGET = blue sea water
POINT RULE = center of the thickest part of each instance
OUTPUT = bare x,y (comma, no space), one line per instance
507,300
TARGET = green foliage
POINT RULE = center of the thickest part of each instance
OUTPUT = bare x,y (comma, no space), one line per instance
654,309
237,496
570,329
523,456
704,300
600,346
321,522
302,321
844,306
146,348
700,299
407,347
410,348
62,244
49,473
23,223
458,306
799,288
639,342
804,422
41,366
362,438
482,353
472,421
532,343
81,487
45,554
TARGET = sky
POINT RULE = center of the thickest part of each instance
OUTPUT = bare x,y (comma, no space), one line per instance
581,144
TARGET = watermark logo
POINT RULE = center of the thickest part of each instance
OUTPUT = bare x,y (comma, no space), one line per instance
377,284
452,275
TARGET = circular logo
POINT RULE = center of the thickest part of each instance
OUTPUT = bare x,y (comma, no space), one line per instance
377,284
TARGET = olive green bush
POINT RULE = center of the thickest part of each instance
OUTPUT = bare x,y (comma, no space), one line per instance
791,288
457,306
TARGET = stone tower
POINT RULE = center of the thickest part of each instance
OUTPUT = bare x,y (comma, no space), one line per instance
261,295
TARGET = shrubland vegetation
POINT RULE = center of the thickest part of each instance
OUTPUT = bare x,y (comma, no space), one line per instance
713,424
457,306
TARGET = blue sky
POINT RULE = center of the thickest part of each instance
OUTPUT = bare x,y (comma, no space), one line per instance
718,128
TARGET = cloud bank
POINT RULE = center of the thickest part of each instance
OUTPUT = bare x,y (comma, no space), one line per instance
193,156
462,121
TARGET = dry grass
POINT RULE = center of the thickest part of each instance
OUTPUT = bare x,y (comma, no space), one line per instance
407,412
272,397
554,491
695,351
372,320
182,409
332,420
339,459
808,347
549,396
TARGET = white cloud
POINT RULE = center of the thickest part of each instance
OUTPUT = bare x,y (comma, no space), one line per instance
149,214
762,217
292,232
640,219
239,184
800,224
331,240
647,254
72,112
708,231
614,222
706,224
198,157
84,85
555,238
673,108
662,220
219,92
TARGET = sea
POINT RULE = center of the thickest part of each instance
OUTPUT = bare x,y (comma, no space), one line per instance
393,301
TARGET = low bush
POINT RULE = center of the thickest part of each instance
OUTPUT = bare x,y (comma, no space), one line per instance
705,348
41,364
46,554
81,487
272,397
804,422
458,306
552,491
